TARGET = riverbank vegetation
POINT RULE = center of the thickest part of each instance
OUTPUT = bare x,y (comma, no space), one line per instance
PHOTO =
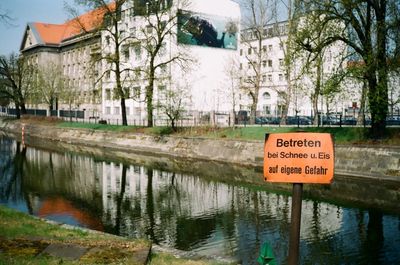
22,237
341,135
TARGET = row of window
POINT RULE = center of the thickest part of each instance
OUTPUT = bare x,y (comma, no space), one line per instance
265,49
117,110
268,32
265,78
134,92
75,56
265,63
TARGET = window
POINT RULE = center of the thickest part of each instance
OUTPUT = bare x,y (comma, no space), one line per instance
280,46
108,74
116,110
270,78
267,109
240,66
249,51
127,110
149,29
264,63
138,50
270,32
163,48
126,92
108,40
264,78
264,48
280,62
270,48
161,93
108,110
108,94
266,96
163,69
241,52
280,77
137,72
136,92
125,52
269,63
283,29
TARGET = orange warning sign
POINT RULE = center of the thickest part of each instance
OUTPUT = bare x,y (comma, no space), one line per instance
299,158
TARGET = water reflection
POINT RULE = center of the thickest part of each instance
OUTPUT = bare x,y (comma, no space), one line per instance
188,212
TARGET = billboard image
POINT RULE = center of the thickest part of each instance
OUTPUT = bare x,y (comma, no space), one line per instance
207,30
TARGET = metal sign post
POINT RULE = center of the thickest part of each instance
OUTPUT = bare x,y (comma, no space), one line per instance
298,158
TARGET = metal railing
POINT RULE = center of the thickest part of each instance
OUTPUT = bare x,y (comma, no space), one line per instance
217,119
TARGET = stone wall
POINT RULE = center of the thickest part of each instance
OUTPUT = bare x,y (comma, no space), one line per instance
382,162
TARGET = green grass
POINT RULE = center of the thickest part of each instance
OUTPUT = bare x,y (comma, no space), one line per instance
116,128
344,135
96,126
16,228
341,135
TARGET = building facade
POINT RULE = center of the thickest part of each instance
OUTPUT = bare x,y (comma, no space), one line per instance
205,57
66,52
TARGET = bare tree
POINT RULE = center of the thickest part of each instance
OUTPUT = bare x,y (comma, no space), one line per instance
70,95
290,56
106,23
173,103
232,69
49,85
160,20
17,77
5,17
254,51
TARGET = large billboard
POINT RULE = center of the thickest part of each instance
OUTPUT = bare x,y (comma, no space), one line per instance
207,30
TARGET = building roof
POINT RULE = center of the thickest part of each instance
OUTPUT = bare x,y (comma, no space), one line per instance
56,34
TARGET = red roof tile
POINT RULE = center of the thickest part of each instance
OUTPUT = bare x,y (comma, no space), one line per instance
57,33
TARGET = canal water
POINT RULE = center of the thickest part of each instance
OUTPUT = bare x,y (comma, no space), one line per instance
184,210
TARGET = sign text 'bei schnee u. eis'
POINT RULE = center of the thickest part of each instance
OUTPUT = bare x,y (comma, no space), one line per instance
299,158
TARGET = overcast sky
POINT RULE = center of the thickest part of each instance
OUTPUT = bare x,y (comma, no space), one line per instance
24,11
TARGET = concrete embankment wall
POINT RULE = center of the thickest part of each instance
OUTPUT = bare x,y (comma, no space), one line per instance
379,162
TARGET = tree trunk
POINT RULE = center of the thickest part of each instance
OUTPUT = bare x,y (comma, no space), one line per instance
361,114
314,100
381,96
23,109
149,96
253,110
17,111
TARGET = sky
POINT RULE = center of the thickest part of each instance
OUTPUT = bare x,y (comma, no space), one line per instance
23,12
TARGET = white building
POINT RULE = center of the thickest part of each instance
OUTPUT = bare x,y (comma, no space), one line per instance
202,76
274,78
67,51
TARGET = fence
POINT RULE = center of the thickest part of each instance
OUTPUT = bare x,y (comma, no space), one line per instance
218,119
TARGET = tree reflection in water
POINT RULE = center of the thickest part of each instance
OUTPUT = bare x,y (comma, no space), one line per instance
188,212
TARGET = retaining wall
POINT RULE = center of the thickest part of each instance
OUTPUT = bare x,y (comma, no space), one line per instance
379,162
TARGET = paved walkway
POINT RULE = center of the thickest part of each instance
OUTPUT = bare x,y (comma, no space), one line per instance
36,247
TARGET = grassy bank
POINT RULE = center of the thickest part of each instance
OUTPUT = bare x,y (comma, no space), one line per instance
342,135
19,230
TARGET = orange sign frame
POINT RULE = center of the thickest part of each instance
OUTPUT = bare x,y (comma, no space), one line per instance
299,158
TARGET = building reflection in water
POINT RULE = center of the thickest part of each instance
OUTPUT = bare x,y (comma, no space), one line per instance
187,212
